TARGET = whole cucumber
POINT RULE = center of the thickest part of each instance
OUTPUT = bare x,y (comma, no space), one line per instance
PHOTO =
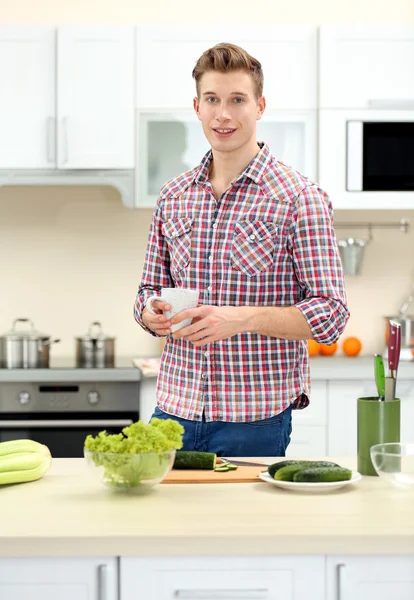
272,469
322,475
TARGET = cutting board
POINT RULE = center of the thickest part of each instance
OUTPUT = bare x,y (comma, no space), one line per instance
241,475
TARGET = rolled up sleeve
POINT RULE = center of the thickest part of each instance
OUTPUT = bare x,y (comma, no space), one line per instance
318,266
156,272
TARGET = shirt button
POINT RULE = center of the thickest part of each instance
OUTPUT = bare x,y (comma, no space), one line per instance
214,225
211,257
206,354
252,237
210,288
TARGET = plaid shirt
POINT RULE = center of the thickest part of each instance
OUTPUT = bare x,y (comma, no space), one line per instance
268,241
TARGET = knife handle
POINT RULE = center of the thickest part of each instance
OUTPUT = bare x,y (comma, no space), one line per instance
394,345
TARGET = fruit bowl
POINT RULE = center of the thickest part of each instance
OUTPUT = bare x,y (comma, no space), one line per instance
394,462
130,472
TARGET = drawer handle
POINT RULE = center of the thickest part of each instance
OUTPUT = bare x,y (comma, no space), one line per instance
339,568
257,594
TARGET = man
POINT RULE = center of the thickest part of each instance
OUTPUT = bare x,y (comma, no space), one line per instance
255,237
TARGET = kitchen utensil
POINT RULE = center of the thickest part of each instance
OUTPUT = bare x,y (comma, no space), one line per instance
95,349
352,254
243,463
179,299
377,422
394,347
25,348
395,464
379,376
240,475
406,323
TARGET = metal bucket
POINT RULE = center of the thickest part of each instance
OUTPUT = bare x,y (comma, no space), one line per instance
352,255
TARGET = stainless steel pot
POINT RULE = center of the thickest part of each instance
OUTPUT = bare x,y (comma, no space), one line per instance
407,329
25,348
95,349
352,255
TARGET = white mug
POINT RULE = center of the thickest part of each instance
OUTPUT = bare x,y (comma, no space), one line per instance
179,299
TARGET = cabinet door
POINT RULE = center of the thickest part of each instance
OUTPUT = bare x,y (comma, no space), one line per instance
95,114
27,98
366,66
58,578
370,577
287,54
307,441
229,578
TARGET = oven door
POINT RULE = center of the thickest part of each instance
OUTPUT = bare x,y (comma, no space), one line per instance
63,434
380,156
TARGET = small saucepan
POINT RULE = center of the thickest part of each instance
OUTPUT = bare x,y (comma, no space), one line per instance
95,349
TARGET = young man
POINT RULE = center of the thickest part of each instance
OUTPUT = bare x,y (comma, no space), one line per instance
256,238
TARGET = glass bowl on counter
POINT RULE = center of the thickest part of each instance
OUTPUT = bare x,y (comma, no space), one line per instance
130,472
394,462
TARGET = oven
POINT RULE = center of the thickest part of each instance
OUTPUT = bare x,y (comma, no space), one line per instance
380,155
61,414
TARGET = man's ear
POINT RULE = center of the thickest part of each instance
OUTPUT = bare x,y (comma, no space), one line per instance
196,106
261,106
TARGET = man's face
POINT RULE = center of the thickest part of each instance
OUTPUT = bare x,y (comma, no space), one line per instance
228,109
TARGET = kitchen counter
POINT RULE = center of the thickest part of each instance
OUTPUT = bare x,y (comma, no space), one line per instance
69,513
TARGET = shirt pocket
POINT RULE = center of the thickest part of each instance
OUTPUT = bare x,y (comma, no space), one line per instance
253,246
177,233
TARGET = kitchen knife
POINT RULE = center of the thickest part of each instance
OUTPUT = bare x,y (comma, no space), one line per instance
243,463
379,376
394,348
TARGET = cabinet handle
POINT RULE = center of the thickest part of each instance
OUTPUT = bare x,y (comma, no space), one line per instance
65,140
102,582
398,104
258,594
50,140
339,568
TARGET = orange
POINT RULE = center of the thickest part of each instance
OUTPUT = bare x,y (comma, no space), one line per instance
313,347
326,350
352,346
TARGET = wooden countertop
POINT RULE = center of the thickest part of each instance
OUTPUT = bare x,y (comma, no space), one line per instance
69,513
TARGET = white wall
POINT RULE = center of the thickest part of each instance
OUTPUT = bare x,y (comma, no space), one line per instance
72,255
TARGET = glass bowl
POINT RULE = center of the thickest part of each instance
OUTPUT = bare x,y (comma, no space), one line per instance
394,463
130,472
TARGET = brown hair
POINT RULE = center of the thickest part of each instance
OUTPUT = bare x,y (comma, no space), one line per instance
226,58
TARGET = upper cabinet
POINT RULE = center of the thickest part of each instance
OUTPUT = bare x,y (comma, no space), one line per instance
166,58
28,96
67,98
366,66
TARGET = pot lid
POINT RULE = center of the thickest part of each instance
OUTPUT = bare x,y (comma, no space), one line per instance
28,333
95,333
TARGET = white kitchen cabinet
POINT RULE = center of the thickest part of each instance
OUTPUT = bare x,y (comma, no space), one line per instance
309,434
169,143
27,98
58,578
342,413
227,578
67,98
366,66
287,54
370,577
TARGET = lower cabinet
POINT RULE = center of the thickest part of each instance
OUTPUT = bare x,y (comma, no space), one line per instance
225,578
58,579
370,578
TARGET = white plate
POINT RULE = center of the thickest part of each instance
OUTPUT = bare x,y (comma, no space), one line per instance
296,486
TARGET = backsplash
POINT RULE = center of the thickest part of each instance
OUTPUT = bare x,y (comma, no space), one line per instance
73,255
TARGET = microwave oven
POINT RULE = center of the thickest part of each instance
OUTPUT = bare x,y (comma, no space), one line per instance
379,155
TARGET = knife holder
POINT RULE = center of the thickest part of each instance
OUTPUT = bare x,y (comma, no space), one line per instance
378,422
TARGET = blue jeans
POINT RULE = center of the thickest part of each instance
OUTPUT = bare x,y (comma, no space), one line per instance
268,437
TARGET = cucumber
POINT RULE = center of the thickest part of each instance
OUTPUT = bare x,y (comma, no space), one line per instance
272,469
322,474
186,459
287,473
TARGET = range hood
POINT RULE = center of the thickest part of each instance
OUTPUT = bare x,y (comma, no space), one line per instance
121,180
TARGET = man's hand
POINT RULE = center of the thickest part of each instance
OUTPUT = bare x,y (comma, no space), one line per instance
157,323
211,323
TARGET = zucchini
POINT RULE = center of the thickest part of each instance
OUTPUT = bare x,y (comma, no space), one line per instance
322,474
272,469
186,459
